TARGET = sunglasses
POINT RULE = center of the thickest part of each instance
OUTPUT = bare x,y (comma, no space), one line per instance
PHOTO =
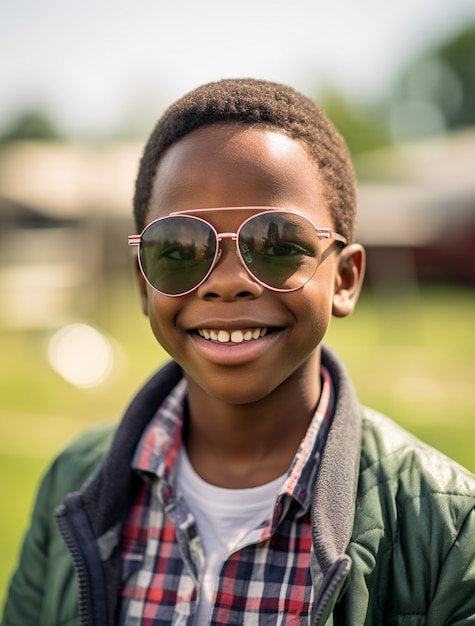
280,249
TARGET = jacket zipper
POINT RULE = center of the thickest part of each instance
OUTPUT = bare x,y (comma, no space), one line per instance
83,606
334,582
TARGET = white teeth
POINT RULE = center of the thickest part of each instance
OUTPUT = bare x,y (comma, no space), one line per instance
223,336
235,336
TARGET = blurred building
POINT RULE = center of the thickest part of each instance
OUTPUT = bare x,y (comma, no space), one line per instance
65,213
417,210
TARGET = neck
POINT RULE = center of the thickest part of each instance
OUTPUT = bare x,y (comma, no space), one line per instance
246,445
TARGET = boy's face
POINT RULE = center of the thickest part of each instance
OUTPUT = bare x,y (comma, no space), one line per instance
230,165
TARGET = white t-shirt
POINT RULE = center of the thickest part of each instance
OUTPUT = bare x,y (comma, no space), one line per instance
223,517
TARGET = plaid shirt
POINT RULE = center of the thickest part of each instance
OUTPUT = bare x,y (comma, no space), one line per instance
267,579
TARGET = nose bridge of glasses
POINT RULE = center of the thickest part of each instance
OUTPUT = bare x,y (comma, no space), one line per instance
232,236
221,237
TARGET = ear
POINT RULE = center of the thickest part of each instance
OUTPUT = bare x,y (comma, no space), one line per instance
142,285
349,279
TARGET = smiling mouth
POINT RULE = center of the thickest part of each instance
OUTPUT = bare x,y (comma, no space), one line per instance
233,336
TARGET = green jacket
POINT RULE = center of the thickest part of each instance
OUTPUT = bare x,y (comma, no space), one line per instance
393,524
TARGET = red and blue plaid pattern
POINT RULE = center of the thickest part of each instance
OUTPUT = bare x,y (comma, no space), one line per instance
266,580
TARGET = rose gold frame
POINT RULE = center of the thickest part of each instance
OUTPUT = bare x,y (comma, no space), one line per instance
322,233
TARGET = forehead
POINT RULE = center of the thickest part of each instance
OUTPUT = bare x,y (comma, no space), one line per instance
236,165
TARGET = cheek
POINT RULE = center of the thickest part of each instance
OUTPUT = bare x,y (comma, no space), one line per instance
162,312
318,316
316,306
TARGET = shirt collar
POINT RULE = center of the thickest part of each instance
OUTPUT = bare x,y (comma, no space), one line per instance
304,468
159,446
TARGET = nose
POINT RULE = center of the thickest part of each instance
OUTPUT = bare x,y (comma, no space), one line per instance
229,279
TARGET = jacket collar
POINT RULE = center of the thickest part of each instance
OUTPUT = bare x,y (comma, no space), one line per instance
334,498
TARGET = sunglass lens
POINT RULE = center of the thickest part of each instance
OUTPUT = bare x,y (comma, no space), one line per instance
280,249
176,253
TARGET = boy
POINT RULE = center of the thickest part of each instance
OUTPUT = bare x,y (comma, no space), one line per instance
245,485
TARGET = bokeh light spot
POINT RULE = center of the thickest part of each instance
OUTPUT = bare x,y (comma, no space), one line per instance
81,355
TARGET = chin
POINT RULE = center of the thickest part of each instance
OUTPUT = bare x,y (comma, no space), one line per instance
235,390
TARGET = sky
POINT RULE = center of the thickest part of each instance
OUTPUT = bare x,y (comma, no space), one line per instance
96,64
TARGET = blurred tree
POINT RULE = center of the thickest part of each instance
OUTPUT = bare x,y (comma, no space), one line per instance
31,125
437,90
363,127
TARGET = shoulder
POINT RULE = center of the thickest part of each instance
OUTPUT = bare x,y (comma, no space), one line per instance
413,540
77,463
405,484
89,445
390,453
43,586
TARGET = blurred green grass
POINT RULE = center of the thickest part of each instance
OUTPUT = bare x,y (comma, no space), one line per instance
411,355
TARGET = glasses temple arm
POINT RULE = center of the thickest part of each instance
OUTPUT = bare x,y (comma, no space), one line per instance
134,240
326,233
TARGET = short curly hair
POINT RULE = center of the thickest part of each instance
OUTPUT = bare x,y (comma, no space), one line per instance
256,102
